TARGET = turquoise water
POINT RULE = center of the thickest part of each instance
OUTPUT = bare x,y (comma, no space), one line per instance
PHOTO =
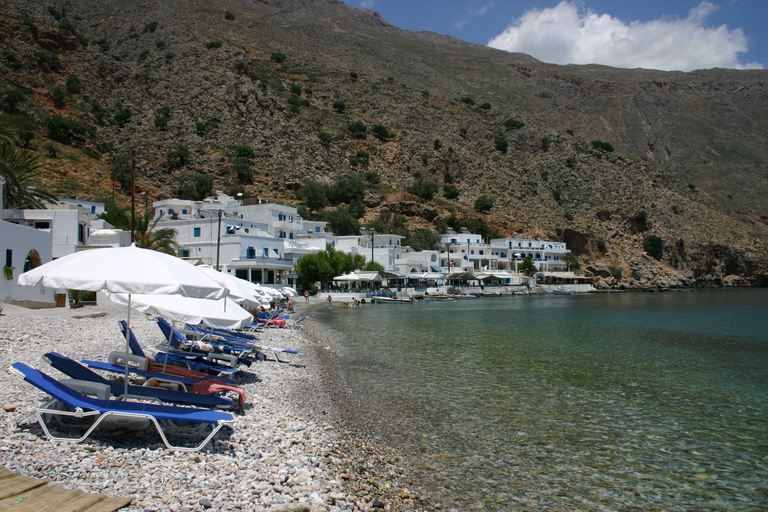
633,401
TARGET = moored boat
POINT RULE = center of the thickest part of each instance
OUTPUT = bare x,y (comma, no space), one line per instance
391,300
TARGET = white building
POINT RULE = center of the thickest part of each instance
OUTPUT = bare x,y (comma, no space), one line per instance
69,225
546,255
23,248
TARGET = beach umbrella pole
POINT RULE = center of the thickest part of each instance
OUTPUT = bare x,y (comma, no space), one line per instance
127,343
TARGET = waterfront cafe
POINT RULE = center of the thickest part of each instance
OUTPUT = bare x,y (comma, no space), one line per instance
358,281
418,281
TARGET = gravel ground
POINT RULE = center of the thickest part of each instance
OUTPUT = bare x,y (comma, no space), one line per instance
297,446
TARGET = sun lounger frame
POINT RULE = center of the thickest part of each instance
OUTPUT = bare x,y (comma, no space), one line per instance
85,407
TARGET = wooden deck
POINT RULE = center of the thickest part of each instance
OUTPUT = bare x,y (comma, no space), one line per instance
23,493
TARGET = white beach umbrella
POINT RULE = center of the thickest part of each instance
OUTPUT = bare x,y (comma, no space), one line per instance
128,270
224,313
240,290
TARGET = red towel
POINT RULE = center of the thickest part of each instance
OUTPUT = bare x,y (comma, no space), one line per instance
209,387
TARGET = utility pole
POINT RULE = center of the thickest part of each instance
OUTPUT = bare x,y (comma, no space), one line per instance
218,243
133,196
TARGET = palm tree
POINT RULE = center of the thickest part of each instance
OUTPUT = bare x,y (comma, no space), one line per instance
162,240
22,171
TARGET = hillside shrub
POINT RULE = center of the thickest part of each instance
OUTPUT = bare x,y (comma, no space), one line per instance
467,100
161,122
122,116
246,152
278,57
213,44
177,158
501,144
382,132
48,62
339,106
67,130
513,124
654,246
74,84
485,106
229,15
451,191
604,146
59,99
357,129
483,204
424,189
325,137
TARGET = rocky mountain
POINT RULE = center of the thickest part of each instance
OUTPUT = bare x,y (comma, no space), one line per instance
602,158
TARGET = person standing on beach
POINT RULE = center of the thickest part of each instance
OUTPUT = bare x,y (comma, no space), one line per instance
306,296
330,300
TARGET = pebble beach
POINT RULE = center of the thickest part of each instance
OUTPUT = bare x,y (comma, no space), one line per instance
295,447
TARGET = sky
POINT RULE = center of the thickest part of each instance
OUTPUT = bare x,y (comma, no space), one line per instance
670,35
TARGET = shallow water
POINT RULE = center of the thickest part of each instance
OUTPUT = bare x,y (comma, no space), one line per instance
633,401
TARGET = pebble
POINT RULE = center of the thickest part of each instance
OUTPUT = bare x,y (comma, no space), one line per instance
287,451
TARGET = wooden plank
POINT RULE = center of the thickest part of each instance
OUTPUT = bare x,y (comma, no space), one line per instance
26,493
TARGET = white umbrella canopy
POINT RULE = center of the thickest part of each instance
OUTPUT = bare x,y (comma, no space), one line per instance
224,313
240,290
124,270
128,270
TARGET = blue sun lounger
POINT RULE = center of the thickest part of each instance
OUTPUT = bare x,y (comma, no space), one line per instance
217,364
81,406
77,371
179,343
139,366
288,356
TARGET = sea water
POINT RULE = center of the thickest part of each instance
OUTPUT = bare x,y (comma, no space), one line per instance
626,401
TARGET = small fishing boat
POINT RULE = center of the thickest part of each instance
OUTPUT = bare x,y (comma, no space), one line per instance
465,296
391,300
561,291
443,297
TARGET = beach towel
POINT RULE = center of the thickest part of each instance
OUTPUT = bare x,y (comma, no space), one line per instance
209,387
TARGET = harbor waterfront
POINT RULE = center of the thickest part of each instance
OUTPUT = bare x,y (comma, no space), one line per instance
622,401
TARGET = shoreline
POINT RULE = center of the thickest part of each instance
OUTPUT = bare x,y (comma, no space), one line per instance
298,446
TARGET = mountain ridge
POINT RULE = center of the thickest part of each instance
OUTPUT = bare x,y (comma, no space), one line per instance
689,148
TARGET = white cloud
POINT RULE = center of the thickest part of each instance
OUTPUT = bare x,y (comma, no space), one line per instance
474,9
564,34
367,4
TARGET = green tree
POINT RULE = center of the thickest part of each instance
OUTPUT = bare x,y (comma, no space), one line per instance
123,116
501,144
121,170
357,129
314,195
74,84
339,106
372,266
483,204
513,124
341,221
423,240
242,170
605,146
346,190
451,191
147,236
244,152
424,189
382,132
23,173
654,246
278,57
527,267
315,267
10,99
118,217
178,157
572,261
